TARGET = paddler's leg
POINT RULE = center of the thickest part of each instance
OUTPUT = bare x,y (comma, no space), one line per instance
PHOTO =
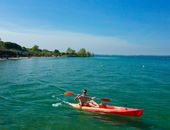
92,103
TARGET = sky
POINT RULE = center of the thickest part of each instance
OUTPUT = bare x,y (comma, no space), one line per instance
115,27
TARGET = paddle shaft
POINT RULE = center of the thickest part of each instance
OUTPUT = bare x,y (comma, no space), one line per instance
69,93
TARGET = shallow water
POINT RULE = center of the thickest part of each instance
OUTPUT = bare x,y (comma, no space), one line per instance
31,95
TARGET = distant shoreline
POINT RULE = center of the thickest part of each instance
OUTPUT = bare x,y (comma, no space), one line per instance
20,58
10,49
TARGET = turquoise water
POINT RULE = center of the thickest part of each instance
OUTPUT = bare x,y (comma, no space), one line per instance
31,95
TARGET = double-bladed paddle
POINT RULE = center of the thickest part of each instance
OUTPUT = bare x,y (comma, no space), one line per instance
69,93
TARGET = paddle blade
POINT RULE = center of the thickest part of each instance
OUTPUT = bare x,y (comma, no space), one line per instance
105,99
68,93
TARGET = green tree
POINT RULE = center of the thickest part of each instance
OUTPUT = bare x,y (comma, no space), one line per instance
56,52
82,52
70,52
13,46
2,45
35,48
24,48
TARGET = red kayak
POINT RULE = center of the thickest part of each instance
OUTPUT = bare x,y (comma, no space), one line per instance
110,110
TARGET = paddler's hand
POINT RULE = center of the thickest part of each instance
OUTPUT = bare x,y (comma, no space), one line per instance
77,97
93,98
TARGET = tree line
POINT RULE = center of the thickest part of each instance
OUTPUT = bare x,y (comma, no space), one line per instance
10,49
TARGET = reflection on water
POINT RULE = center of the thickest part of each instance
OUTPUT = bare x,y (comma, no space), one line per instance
116,120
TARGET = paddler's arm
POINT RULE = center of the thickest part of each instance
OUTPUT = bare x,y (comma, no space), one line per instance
77,97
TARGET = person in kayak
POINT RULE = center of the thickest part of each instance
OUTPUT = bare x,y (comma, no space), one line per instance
84,99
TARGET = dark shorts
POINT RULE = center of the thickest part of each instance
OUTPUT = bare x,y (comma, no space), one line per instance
84,104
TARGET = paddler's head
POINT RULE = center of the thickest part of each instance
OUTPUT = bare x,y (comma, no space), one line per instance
84,91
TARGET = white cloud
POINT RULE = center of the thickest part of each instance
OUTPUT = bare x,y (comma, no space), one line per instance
63,39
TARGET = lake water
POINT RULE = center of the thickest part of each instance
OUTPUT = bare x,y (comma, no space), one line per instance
31,92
